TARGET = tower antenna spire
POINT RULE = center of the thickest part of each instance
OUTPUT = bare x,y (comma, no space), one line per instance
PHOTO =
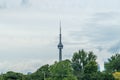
60,26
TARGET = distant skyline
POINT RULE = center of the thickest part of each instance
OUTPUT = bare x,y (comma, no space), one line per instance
29,34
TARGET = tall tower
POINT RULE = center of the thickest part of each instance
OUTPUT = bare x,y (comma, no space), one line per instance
60,45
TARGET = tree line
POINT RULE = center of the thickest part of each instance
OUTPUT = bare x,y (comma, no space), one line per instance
82,66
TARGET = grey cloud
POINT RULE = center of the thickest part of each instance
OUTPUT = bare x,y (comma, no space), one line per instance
105,32
99,48
115,48
98,35
103,16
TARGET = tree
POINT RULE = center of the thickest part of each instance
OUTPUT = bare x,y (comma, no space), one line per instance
98,76
62,71
12,76
41,73
91,67
82,60
113,63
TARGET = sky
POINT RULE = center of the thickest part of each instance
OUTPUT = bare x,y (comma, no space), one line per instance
29,31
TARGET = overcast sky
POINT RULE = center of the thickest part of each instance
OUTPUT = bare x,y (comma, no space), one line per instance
29,31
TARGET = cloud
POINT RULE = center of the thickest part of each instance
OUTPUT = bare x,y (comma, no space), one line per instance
98,28
63,5
32,32
115,48
24,66
98,34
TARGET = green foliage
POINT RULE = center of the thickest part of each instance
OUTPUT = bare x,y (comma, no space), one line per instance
70,78
41,73
83,62
81,58
11,76
98,76
91,67
107,76
113,63
62,71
